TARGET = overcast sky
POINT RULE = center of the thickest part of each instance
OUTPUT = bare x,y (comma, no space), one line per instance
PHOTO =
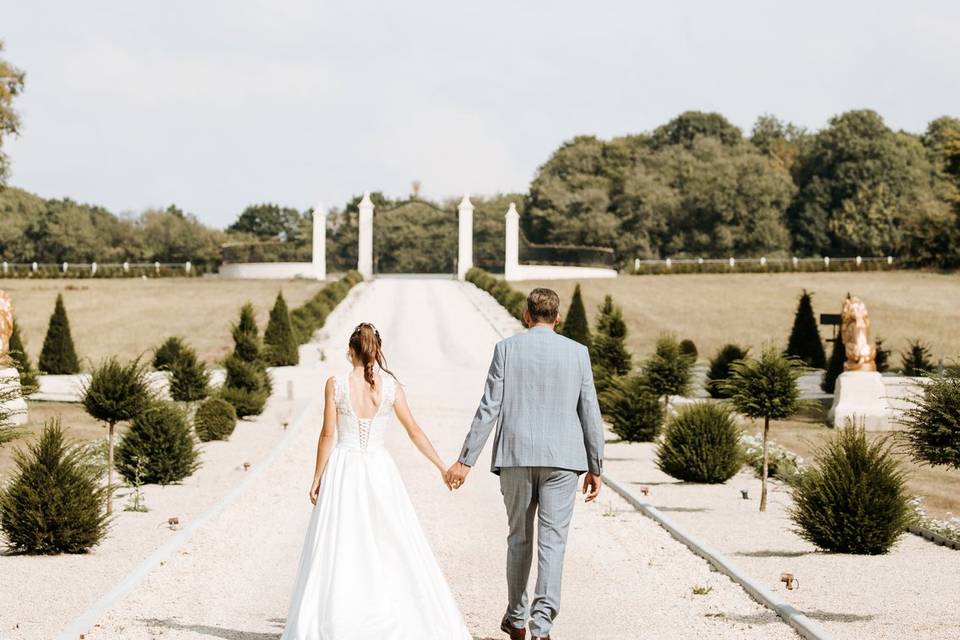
216,104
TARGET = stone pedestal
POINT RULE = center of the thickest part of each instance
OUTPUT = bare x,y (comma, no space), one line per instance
861,397
10,378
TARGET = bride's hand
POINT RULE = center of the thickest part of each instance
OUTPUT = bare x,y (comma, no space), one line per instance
314,491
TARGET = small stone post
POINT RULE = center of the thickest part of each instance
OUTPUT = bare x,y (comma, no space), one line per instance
319,242
365,249
465,252
511,263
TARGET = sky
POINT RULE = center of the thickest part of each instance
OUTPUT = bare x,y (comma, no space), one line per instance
216,104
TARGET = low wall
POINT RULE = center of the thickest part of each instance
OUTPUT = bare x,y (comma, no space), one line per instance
552,272
268,270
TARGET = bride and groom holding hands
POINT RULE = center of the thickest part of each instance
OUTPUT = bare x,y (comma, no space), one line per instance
366,571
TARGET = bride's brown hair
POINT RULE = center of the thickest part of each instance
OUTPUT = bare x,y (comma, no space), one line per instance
366,345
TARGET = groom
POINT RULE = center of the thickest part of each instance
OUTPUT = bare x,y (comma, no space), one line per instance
540,391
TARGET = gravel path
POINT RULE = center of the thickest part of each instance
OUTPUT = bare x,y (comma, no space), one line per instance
625,577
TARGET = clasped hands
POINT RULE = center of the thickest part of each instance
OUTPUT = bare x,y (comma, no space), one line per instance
456,475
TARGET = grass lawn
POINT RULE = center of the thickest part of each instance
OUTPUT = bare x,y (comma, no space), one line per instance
754,309
130,317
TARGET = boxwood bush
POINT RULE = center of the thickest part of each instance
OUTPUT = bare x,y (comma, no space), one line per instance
160,442
508,297
215,419
632,408
701,444
719,370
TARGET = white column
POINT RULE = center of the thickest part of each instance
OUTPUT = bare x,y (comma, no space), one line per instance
365,250
511,264
465,253
319,242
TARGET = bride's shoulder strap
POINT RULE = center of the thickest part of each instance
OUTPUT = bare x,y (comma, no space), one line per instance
337,389
389,387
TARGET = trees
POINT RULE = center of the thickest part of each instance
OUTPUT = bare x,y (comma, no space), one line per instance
247,385
804,341
189,378
719,370
280,344
933,422
158,448
667,371
916,359
632,408
575,324
59,356
11,84
765,388
689,125
268,222
608,352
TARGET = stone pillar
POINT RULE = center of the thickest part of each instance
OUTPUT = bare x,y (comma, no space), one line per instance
465,253
511,263
365,249
319,242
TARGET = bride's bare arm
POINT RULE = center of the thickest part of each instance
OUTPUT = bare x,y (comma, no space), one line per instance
327,437
416,434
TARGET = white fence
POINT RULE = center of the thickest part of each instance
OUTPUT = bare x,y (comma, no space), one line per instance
718,265
95,269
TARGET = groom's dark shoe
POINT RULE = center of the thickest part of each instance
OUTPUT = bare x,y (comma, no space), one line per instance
513,632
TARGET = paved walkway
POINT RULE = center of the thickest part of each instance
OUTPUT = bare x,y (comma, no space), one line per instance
626,578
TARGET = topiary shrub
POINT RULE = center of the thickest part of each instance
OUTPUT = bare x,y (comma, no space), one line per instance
689,348
854,499
575,324
58,355
632,409
55,503
189,378
244,387
608,352
701,444
215,420
916,360
668,370
719,370
159,440
168,352
933,422
882,358
804,342
246,336
835,367
29,381
280,343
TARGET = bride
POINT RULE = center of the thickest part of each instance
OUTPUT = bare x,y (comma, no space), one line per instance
366,570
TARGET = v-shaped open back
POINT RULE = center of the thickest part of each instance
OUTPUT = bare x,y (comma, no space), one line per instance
379,403
362,433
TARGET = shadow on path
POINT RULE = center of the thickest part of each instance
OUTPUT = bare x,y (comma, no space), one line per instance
213,632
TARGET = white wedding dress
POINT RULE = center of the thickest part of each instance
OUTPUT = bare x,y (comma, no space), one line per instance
367,571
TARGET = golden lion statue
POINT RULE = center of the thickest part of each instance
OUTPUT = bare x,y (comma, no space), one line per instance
6,324
855,333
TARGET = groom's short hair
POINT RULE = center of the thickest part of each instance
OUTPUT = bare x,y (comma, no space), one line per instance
543,305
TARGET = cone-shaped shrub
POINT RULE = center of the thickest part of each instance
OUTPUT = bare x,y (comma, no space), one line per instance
189,378
58,355
701,444
720,368
916,360
765,388
575,324
633,410
882,358
854,499
838,355
160,440
280,343
246,336
689,348
55,503
215,420
608,351
244,387
668,370
166,353
18,353
933,422
804,342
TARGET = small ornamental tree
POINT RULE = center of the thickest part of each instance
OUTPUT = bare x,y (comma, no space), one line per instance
608,351
55,502
933,422
166,353
18,353
720,368
246,336
668,370
701,444
158,448
882,358
916,360
765,388
804,342
116,393
854,499
575,324
247,385
689,348
632,409
280,343
838,355
189,378
215,420
58,355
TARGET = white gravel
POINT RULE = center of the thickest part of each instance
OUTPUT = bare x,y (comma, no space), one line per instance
625,577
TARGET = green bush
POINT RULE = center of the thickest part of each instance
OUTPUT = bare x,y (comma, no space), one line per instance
719,370
168,352
632,409
29,380
916,360
838,356
58,355
312,315
159,440
608,350
805,342
668,370
854,499
882,357
575,324
280,343
246,336
55,502
933,422
8,394
689,348
215,420
189,378
510,299
246,387
701,444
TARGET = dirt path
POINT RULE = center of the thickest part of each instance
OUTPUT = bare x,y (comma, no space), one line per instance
625,577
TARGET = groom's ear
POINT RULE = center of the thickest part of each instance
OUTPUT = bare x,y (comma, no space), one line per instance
527,321
557,321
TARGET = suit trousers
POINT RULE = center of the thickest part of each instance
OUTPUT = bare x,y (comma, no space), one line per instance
546,494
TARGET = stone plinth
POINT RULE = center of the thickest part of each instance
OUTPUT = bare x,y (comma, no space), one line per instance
10,379
861,397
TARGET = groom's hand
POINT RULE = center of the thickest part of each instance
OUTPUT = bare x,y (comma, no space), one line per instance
591,486
456,475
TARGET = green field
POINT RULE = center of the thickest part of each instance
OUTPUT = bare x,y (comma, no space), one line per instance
755,309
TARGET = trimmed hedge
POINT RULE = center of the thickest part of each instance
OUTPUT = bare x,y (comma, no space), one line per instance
312,314
701,444
508,297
